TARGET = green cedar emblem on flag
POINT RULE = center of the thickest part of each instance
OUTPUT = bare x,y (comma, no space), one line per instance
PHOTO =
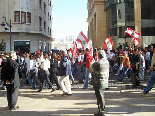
84,42
107,42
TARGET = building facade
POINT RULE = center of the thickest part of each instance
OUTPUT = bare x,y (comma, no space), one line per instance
31,22
120,16
97,21
138,15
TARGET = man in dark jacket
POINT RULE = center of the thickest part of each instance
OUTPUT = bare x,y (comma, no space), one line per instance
11,76
53,69
4,60
100,76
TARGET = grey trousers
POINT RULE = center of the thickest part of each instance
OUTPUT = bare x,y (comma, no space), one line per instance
99,92
12,95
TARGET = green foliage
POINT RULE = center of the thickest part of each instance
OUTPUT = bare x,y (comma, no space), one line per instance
2,46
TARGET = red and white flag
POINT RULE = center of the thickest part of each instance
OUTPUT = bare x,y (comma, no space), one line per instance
75,49
108,43
133,34
90,48
136,41
82,39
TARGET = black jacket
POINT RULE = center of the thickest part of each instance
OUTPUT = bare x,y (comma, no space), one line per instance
10,72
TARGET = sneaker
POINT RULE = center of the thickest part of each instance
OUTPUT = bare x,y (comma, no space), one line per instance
116,74
143,94
53,90
85,88
119,80
39,90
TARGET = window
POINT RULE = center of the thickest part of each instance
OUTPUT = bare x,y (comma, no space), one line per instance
17,16
40,2
48,15
119,14
119,1
23,17
50,3
44,7
40,20
132,5
48,30
45,25
28,17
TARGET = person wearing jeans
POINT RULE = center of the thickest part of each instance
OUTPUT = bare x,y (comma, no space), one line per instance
32,72
126,66
87,75
152,76
83,66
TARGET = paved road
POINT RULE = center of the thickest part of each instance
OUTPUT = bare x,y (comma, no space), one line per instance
126,102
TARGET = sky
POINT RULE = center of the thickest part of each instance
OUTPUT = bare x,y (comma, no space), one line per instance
69,18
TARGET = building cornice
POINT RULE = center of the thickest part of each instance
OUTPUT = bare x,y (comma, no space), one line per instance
93,6
34,32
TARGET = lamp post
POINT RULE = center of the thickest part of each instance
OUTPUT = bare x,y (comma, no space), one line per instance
5,23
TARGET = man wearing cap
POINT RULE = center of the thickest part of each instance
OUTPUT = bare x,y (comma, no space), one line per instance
100,76
126,66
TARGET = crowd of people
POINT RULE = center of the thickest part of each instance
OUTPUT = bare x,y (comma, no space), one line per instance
47,68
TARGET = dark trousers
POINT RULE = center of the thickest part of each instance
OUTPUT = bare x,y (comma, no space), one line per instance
12,95
135,80
53,78
99,92
45,77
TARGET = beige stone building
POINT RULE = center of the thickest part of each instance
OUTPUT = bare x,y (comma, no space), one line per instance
97,22
113,17
31,22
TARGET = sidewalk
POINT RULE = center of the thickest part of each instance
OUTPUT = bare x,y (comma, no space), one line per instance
128,102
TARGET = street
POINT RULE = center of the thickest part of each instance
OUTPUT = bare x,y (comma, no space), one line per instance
120,100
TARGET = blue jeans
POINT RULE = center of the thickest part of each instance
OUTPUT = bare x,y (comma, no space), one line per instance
125,71
142,73
83,73
119,70
87,77
31,77
150,83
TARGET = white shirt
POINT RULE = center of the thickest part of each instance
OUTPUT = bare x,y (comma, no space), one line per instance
41,58
147,57
112,56
32,65
46,64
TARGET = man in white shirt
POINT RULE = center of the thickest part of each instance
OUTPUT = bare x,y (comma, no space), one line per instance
46,67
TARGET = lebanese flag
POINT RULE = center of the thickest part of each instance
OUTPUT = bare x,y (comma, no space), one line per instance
108,43
136,41
82,39
133,34
90,48
76,49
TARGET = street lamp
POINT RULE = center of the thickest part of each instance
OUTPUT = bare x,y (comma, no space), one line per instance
5,23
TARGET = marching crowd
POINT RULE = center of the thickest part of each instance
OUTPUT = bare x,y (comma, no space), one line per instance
47,68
